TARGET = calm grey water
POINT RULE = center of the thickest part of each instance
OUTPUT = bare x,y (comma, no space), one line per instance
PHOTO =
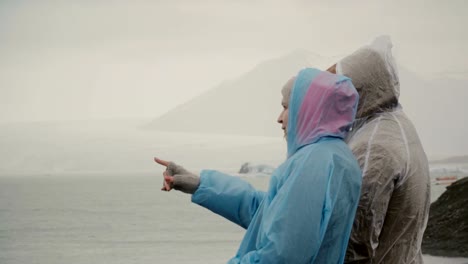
111,219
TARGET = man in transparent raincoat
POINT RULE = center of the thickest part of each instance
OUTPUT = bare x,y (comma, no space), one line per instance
307,212
395,196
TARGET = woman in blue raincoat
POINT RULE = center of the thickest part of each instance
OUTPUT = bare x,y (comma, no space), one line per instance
307,213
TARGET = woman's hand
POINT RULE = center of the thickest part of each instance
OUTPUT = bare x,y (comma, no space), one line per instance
176,177
168,179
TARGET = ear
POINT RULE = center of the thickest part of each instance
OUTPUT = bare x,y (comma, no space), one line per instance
332,69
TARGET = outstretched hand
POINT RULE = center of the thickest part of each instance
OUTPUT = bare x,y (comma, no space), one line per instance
168,179
176,177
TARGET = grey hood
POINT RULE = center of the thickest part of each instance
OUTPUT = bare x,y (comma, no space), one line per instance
373,72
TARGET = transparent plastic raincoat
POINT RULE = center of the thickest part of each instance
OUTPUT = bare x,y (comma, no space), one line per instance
307,213
395,196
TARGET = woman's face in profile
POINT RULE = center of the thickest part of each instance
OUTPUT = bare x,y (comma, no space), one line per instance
286,92
283,117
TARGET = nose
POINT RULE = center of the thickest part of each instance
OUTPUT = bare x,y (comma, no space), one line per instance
280,118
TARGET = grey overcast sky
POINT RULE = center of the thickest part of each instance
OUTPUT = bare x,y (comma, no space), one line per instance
68,60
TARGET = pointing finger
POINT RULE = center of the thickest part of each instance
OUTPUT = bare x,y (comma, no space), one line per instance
161,162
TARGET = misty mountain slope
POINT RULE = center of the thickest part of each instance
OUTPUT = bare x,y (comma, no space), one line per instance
438,109
217,123
248,105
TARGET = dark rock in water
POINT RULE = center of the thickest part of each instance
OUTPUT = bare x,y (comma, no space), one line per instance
251,168
244,168
447,229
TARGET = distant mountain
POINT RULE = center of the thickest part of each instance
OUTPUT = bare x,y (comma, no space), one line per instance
439,109
250,104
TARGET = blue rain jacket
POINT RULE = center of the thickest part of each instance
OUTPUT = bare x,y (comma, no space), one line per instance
307,213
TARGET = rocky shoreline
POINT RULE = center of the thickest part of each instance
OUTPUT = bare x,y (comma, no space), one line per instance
447,229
